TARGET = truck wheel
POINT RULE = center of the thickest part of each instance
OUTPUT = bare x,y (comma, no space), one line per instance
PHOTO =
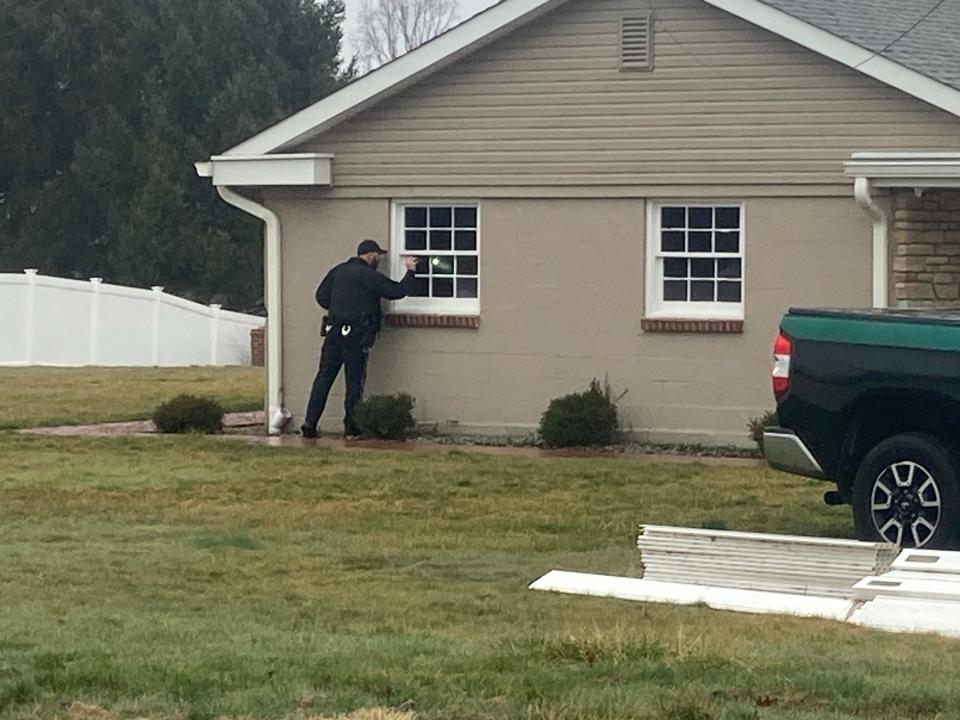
907,492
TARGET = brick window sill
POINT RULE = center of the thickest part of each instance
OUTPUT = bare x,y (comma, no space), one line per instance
709,327
415,320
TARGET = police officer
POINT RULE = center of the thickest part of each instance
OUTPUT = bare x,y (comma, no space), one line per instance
351,294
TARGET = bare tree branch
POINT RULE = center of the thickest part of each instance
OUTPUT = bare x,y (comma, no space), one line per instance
388,29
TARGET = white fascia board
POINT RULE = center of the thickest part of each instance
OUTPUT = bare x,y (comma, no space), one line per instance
293,169
718,598
394,76
899,169
845,52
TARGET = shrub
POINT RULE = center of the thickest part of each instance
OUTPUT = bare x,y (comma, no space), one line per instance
584,419
187,413
386,417
759,423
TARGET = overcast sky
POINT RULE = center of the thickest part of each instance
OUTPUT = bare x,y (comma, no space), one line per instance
467,8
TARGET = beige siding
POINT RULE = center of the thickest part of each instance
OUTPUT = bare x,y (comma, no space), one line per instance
728,104
563,284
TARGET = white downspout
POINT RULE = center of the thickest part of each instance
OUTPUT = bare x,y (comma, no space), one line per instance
881,244
277,414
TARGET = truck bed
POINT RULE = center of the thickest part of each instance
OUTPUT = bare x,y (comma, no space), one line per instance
937,330
942,316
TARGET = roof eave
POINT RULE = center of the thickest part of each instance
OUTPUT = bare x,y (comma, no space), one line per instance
845,52
271,169
905,169
504,17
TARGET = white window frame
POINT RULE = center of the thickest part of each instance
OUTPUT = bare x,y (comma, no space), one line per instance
656,306
433,306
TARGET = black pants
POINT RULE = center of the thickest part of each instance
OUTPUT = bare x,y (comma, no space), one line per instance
347,351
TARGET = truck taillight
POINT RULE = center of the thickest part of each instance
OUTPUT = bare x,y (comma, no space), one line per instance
781,366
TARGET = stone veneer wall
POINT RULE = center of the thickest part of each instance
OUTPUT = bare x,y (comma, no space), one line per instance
926,268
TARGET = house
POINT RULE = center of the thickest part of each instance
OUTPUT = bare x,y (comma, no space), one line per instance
630,188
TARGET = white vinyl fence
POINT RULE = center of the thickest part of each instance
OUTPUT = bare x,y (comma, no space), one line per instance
54,321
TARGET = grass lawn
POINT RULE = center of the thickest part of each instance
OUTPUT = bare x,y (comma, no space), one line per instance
37,397
202,578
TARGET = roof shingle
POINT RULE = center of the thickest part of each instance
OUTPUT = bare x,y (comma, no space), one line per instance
932,48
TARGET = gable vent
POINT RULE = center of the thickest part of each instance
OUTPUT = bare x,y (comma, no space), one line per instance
636,42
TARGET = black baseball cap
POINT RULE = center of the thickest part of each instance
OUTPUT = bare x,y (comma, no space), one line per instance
370,246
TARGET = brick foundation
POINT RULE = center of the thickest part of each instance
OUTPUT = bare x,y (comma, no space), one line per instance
721,327
257,347
926,230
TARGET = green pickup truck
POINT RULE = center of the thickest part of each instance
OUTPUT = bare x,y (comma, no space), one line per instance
870,400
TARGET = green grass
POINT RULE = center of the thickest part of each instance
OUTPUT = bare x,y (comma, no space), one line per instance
42,397
202,578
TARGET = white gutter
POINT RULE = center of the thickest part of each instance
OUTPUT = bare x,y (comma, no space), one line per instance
277,414
289,170
863,193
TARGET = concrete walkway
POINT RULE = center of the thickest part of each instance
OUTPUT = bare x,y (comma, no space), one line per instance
247,427
233,424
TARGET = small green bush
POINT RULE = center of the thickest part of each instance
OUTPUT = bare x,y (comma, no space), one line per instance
188,413
586,419
385,417
758,424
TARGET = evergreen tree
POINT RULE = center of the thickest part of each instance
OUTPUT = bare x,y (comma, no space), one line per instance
106,104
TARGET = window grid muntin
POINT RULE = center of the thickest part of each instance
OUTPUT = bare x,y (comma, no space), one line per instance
695,290
444,287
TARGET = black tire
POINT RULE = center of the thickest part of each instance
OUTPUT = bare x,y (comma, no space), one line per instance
918,476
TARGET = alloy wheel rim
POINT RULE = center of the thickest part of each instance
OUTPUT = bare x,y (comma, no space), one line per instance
905,504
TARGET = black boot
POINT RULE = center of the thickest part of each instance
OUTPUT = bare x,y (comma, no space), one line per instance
308,432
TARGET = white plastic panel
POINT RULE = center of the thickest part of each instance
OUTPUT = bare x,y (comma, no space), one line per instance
901,615
919,588
126,328
13,293
62,323
932,561
641,590
824,567
184,335
72,321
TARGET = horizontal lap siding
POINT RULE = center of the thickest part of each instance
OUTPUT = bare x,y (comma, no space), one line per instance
728,103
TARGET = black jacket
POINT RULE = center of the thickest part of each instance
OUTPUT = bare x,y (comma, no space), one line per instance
352,291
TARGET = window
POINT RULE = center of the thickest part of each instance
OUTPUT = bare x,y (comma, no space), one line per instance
446,239
695,261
